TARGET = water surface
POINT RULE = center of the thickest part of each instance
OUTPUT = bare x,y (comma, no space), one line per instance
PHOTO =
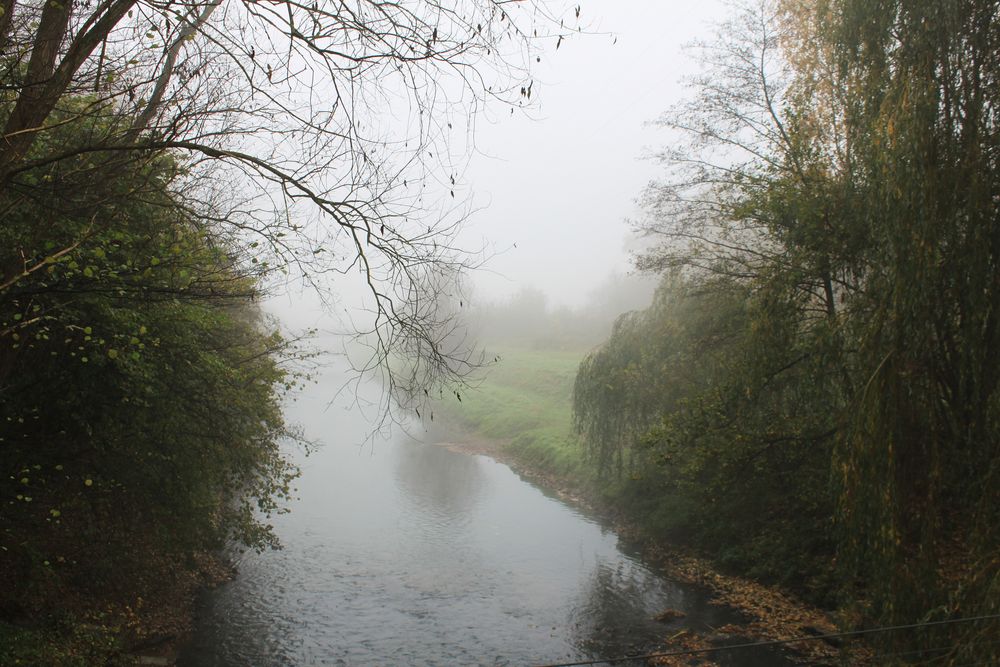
404,552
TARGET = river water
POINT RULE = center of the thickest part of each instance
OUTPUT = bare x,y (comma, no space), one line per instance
402,552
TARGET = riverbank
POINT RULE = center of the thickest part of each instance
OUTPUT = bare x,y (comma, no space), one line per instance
771,614
146,626
170,624
521,417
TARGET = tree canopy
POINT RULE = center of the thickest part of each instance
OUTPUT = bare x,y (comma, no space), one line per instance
140,405
162,165
327,137
818,370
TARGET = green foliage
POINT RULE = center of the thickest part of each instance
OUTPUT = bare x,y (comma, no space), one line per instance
79,645
652,362
140,419
918,469
724,426
850,412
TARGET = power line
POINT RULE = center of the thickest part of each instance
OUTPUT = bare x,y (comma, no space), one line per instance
773,642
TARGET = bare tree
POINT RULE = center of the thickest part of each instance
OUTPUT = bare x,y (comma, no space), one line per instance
730,137
753,181
323,135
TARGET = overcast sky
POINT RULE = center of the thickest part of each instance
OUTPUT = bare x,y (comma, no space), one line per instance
561,181
561,185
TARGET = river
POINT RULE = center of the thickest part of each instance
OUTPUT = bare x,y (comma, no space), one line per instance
401,552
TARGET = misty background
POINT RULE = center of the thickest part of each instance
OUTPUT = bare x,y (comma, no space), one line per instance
551,190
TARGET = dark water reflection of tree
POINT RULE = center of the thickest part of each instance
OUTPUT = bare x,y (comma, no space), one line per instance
614,617
616,613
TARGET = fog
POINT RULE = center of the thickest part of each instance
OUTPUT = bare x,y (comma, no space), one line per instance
557,186
551,189
322,327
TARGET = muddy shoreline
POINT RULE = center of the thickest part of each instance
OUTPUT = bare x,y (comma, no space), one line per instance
167,628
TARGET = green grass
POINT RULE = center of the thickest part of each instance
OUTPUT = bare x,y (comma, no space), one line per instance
525,405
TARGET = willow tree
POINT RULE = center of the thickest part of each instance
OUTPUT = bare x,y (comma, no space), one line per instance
750,209
851,177
758,182
841,165
325,137
919,469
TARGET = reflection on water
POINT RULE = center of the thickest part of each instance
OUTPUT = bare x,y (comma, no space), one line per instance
437,482
619,594
407,553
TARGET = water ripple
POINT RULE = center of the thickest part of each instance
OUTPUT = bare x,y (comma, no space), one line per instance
413,554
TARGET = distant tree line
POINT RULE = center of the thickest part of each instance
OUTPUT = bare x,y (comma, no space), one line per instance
813,395
528,317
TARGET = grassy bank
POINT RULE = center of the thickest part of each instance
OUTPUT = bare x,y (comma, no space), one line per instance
524,408
522,413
